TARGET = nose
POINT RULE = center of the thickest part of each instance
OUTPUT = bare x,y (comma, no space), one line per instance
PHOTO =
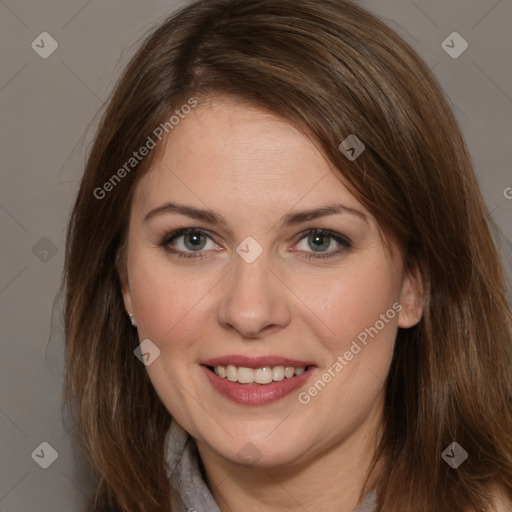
254,300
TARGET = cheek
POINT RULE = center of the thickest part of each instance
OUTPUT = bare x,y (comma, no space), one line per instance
167,300
356,304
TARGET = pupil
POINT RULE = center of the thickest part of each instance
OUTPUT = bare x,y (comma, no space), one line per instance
321,237
194,239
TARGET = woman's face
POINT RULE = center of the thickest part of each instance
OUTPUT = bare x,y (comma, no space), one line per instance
252,286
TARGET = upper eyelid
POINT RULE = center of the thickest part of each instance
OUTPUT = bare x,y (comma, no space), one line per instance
176,233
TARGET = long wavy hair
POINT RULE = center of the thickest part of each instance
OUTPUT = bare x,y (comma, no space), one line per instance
331,69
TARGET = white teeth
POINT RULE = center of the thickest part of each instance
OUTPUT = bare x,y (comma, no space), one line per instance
231,373
278,373
264,375
245,375
289,372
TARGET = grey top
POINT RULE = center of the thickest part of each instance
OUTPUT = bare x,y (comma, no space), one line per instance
191,493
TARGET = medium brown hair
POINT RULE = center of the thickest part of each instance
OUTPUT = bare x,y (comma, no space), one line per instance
331,69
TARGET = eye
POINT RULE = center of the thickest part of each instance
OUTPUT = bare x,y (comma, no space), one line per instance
187,241
192,243
320,240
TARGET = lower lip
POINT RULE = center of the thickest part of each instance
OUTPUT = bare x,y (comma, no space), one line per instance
256,394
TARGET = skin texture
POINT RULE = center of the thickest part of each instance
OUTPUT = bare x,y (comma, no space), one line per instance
251,167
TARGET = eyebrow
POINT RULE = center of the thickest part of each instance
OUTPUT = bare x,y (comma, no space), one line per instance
290,219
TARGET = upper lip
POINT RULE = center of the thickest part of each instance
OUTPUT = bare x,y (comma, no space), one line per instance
255,362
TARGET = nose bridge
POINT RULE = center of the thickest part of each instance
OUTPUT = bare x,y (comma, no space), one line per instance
254,298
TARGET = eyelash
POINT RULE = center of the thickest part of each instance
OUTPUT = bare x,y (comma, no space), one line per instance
342,240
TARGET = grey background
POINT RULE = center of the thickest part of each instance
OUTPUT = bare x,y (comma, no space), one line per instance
49,111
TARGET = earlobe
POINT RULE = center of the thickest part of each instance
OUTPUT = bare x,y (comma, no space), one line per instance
122,272
127,297
412,299
128,305
125,290
132,319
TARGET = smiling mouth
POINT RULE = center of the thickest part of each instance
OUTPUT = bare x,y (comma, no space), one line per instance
264,375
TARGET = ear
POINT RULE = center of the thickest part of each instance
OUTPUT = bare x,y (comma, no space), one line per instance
127,296
412,299
123,279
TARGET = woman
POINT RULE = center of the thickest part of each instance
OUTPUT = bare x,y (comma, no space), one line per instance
281,287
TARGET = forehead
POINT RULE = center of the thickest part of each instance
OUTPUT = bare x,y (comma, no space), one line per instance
227,153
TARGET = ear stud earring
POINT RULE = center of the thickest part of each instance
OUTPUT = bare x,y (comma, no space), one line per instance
132,320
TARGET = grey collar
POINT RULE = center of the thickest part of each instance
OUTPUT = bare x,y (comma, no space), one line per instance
190,491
